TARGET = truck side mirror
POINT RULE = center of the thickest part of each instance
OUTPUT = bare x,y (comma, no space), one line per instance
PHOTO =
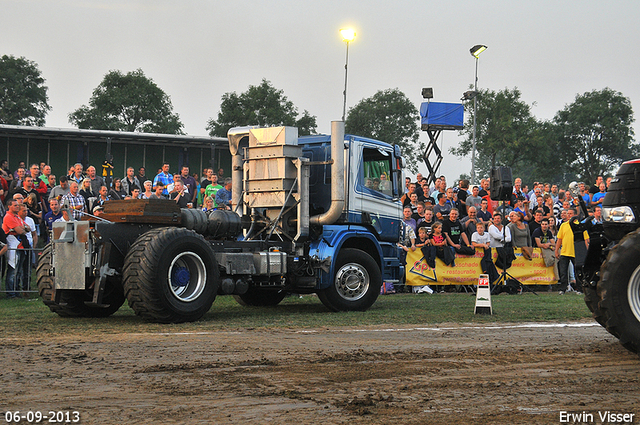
396,176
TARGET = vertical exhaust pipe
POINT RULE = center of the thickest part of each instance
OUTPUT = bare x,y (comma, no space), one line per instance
337,177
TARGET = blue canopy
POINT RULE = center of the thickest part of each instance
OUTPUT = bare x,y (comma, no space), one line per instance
440,115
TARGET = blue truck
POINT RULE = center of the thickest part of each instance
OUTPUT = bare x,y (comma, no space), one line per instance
315,214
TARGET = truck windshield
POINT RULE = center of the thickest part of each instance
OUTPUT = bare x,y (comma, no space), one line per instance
377,170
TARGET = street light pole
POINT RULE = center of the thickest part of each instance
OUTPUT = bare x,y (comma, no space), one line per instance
475,112
475,52
347,35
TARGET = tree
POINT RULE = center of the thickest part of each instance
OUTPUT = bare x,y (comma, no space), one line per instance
262,105
506,133
130,102
595,133
23,95
391,117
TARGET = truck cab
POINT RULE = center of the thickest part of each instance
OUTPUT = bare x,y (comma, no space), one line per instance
373,185
373,182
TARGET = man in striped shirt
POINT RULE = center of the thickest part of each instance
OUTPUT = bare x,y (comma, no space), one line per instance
74,200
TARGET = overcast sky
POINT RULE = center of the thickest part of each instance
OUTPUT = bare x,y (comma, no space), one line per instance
197,50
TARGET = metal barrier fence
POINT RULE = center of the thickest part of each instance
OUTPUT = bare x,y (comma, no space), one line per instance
4,267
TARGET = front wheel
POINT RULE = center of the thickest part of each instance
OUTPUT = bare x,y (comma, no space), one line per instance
619,290
356,283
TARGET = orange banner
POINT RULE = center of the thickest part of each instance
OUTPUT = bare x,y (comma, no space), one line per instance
467,269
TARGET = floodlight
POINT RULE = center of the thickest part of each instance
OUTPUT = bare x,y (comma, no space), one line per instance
348,34
477,49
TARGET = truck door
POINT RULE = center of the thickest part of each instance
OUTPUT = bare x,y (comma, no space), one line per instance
372,200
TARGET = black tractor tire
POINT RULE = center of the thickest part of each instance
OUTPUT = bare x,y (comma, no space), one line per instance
170,275
71,302
113,296
619,290
592,300
44,279
356,283
259,297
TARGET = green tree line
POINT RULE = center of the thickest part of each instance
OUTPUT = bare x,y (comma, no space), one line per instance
587,138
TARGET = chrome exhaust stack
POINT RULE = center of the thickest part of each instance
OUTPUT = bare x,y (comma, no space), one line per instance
337,177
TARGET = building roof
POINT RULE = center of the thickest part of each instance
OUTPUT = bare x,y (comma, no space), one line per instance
76,134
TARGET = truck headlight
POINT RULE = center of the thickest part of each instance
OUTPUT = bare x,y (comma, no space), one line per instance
618,215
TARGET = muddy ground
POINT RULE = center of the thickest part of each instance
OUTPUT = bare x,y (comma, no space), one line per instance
450,374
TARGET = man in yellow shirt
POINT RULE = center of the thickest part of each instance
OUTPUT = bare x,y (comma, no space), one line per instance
565,247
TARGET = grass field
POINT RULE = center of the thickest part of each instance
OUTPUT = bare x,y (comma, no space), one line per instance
30,317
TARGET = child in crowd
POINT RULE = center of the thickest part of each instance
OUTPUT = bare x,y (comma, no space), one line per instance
440,243
480,239
423,238
424,243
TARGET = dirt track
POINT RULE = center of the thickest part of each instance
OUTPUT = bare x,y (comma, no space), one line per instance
449,374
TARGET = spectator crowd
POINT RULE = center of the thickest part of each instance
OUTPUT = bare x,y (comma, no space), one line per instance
34,197
440,220
443,220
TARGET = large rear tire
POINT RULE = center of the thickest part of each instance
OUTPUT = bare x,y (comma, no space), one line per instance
592,300
356,283
170,275
619,290
259,297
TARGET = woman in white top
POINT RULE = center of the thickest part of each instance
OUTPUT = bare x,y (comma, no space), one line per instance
499,234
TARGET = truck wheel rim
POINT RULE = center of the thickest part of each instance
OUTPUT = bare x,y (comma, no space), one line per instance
187,276
352,281
633,293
